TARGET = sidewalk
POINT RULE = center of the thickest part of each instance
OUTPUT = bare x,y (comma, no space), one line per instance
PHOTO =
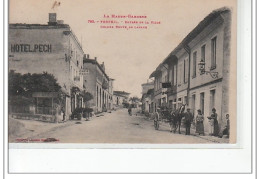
210,138
193,133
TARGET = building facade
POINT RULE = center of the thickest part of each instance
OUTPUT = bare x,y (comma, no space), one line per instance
147,89
120,99
97,82
198,69
51,48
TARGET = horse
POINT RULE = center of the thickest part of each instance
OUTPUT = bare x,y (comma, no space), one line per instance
176,117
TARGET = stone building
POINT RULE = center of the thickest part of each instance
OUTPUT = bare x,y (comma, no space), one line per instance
160,78
98,83
146,98
52,48
198,68
120,98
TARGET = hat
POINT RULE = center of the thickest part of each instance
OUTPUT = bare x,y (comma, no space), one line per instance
213,109
199,110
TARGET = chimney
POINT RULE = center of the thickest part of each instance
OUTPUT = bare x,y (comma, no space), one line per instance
52,19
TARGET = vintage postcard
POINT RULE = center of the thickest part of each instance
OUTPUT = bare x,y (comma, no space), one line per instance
122,72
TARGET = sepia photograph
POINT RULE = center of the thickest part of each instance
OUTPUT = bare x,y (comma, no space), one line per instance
122,72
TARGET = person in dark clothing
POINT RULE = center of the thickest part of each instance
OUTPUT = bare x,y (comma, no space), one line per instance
188,120
130,111
63,114
226,130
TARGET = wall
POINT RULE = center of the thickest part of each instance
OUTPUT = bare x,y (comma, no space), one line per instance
36,62
207,108
182,82
147,86
209,33
89,81
55,59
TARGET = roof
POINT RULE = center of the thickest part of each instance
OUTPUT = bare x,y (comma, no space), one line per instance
150,91
95,62
199,28
149,83
37,26
46,26
121,93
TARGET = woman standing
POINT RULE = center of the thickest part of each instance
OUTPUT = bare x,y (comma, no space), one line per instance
199,123
214,119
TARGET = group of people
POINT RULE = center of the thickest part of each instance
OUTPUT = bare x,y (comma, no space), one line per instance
199,123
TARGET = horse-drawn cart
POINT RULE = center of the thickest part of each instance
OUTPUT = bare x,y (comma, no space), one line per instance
173,118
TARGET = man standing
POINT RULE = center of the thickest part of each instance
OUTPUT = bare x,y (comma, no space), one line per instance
188,120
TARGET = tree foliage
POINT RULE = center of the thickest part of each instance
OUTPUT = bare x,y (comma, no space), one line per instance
87,96
134,99
26,84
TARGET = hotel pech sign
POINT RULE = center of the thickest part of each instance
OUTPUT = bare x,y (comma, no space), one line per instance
27,48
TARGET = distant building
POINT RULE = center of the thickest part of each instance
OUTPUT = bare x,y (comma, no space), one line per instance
147,86
120,98
52,48
147,91
98,83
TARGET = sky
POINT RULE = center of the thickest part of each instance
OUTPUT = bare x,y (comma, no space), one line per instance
130,56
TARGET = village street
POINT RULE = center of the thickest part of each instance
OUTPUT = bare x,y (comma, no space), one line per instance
115,127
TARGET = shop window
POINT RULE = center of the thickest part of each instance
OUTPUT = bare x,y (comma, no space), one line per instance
212,100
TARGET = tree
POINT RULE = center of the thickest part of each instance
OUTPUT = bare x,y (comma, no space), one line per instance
87,96
26,84
134,99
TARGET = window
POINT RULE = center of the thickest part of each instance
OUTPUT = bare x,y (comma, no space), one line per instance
184,73
180,76
174,75
194,64
185,100
202,102
203,53
213,52
97,95
170,75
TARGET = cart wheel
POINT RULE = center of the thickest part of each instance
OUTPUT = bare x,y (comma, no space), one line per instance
156,125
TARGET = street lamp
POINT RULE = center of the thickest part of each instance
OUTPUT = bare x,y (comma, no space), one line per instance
202,65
